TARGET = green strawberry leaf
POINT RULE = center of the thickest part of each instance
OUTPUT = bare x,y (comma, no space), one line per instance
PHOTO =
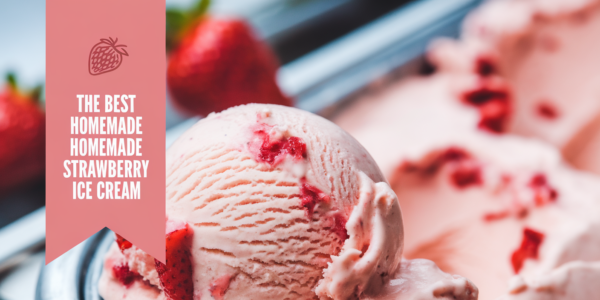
36,93
11,79
200,9
178,21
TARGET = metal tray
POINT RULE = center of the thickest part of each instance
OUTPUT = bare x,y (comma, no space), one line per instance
321,82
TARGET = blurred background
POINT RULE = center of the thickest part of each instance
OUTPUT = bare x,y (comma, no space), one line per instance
329,51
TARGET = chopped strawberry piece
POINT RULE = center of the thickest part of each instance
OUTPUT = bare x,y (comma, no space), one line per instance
547,110
544,192
311,196
125,275
176,275
493,102
495,216
466,175
464,171
339,226
485,66
273,152
296,147
529,248
484,94
219,286
494,115
453,154
123,243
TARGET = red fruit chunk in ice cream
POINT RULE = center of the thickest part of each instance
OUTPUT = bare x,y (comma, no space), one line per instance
339,226
485,66
311,196
453,154
494,116
273,152
176,275
270,152
219,286
123,243
493,103
465,176
547,111
529,248
484,94
544,192
125,275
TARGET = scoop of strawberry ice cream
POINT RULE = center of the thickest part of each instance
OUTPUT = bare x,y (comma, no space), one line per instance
276,203
269,191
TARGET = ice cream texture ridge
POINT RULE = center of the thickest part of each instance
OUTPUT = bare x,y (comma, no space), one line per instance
277,203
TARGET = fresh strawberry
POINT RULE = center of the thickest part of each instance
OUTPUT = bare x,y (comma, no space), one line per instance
176,276
106,56
22,136
123,243
217,63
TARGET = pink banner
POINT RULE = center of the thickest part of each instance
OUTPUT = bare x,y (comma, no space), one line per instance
105,91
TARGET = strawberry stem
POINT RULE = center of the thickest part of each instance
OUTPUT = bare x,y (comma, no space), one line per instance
36,93
33,94
11,79
179,21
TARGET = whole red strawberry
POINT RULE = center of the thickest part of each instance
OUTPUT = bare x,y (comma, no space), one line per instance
176,275
22,136
219,63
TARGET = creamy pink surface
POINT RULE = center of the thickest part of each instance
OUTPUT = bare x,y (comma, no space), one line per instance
547,50
250,224
473,229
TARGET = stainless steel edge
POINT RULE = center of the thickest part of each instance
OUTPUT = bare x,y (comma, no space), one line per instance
333,72
59,279
75,274
284,16
21,237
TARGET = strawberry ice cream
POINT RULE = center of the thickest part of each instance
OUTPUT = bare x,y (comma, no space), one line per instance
270,202
494,208
547,53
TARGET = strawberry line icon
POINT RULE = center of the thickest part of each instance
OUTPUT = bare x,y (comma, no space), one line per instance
106,56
